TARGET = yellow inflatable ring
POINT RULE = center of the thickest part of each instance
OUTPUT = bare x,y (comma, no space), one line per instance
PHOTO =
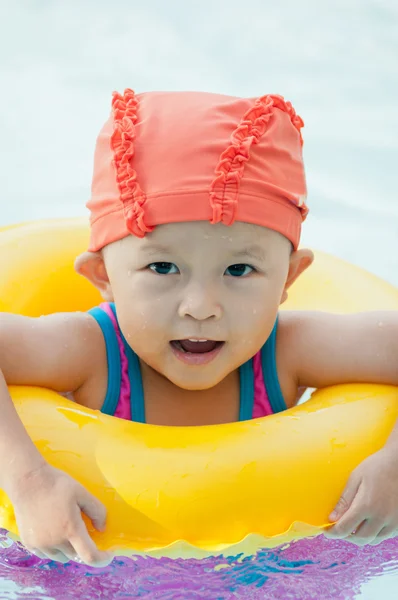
197,491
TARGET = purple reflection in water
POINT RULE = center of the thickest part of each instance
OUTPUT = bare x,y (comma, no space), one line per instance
306,570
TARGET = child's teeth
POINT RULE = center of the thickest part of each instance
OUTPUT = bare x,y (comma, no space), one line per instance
191,340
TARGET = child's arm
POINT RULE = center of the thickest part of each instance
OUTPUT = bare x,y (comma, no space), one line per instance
321,349
58,352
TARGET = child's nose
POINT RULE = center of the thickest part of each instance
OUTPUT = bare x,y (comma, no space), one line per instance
200,303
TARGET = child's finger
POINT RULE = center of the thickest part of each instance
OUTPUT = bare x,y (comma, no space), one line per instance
68,550
346,498
367,532
385,534
93,508
56,555
343,529
85,548
348,523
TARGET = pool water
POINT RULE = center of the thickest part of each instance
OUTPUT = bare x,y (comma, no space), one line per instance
313,569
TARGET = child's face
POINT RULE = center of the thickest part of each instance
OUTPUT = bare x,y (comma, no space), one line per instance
203,281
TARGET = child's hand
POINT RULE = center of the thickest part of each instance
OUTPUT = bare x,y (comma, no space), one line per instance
48,505
367,512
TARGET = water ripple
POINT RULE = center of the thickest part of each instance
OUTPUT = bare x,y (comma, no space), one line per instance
306,570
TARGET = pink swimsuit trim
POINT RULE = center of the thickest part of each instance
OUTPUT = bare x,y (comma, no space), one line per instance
261,406
123,409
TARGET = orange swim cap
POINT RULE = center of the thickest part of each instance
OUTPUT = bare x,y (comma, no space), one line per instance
167,157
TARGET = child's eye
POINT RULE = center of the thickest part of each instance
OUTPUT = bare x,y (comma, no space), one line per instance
239,270
164,268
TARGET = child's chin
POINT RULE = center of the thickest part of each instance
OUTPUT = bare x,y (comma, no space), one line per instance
189,382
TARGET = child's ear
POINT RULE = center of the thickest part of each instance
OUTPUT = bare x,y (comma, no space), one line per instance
91,265
300,260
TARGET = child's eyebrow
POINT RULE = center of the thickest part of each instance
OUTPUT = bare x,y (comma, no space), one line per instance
254,251
156,249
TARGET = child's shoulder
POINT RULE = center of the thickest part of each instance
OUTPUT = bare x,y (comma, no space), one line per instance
303,333
319,349
61,351
305,344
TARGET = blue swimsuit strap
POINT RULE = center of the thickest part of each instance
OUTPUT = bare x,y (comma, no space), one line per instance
113,360
271,380
115,368
246,380
137,402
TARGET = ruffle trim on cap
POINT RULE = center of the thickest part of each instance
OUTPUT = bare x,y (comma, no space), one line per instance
229,171
122,141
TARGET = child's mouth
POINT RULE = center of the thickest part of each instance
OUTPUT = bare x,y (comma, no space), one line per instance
197,352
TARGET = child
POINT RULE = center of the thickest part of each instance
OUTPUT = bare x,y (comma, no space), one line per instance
196,210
